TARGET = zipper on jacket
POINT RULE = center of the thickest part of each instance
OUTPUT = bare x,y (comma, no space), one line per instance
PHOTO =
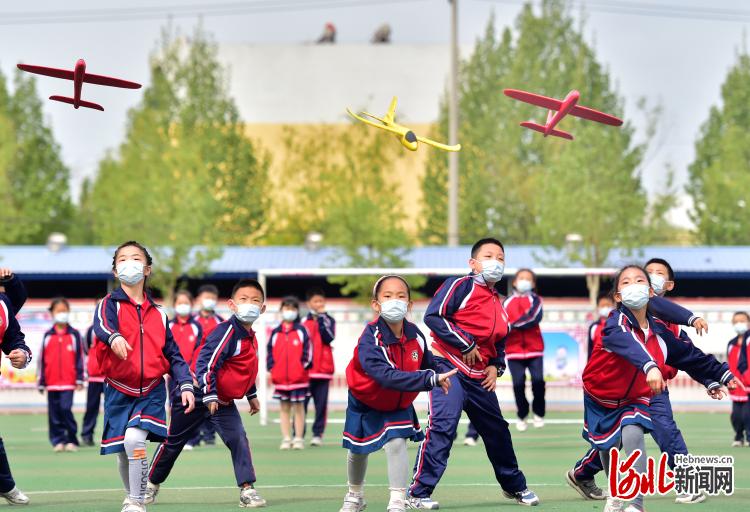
59,356
140,322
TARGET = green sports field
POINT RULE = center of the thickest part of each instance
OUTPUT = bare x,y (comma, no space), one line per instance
313,480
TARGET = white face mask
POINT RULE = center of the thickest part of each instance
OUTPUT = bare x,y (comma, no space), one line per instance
635,296
208,304
524,285
288,315
130,272
393,310
247,313
740,328
605,311
182,309
62,317
657,283
492,270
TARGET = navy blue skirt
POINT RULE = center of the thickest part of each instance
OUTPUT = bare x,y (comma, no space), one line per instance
123,411
602,426
367,430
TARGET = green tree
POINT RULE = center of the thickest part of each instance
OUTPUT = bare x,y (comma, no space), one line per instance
720,173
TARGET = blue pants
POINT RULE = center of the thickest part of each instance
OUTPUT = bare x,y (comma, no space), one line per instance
93,401
206,433
517,368
740,419
319,395
183,426
6,479
61,422
483,410
471,431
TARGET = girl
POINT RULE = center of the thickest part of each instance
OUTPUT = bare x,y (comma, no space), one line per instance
137,351
290,355
390,366
626,369
186,330
524,346
738,355
60,374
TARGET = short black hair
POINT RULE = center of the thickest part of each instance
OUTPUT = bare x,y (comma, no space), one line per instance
744,313
479,243
58,300
210,288
244,283
660,261
604,295
379,283
185,292
314,292
533,274
290,301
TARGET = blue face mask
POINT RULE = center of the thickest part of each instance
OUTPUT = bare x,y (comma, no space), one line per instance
492,270
657,283
247,313
635,296
393,310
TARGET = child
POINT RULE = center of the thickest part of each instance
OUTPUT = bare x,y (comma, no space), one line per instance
95,379
60,374
187,332
604,306
468,325
322,330
137,351
738,355
290,355
524,346
390,366
227,367
14,346
627,369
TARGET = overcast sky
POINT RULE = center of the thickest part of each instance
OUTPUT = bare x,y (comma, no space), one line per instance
675,60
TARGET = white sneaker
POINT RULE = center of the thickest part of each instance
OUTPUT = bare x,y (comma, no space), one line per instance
286,444
15,497
525,497
614,505
249,498
538,421
316,441
632,508
152,490
736,444
396,506
522,426
470,441
423,503
132,506
689,499
353,502
59,447
298,444
188,447
71,447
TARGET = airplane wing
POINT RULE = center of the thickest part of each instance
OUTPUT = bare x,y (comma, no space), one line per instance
594,115
376,125
65,74
374,117
438,145
534,99
109,81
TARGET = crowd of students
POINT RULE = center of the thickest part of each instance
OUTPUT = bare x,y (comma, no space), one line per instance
201,363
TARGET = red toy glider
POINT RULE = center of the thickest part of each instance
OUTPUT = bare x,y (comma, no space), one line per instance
559,109
79,76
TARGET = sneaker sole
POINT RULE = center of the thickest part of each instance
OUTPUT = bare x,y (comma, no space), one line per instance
409,507
251,505
700,499
511,497
571,482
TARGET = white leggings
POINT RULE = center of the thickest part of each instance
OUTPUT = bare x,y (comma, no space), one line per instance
133,463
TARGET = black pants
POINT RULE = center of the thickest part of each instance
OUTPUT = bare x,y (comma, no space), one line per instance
6,479
517,369
471,431
93,401
740,419
319,395
61,422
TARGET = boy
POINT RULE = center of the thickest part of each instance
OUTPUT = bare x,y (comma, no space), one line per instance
95,388
604,306
227,367
322,329
738,354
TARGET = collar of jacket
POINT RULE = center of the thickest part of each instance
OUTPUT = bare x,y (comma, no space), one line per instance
119,294
241,330
387,336
52,330
654,326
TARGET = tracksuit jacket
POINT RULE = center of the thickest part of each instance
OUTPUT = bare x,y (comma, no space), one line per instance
61,360
525,312
289,357
322,331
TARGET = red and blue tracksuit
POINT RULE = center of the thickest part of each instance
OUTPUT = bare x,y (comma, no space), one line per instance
207,432
187,333
60,371
464,314
595,335
738,355
289,357
135,391
226,370
95,379
322,331
524,348
384,377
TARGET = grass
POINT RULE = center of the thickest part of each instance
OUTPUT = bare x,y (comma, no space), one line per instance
313,480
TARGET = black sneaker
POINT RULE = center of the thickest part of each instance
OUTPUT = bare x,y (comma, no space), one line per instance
586,488
87,441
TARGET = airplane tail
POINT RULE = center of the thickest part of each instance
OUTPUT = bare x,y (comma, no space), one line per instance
391,114
82,103
541,128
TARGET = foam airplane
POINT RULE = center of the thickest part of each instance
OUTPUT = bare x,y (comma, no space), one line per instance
408,138
78,75
558,110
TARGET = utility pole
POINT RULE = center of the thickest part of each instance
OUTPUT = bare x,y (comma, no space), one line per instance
453,131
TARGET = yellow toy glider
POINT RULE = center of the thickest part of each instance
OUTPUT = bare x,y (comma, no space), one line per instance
408,138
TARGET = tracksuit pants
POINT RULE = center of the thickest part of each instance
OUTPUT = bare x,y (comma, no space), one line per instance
740,419
517,368
319,396
471,431
61,422
93,401
206,433
6,478
483,409
183,426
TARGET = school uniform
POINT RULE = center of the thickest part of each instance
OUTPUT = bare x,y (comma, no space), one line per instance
289,357
95,379
60,371
11,338
594,333
188,334
524,349
738,355
207,432
464,314
384,377
226,369
135,393
322,331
